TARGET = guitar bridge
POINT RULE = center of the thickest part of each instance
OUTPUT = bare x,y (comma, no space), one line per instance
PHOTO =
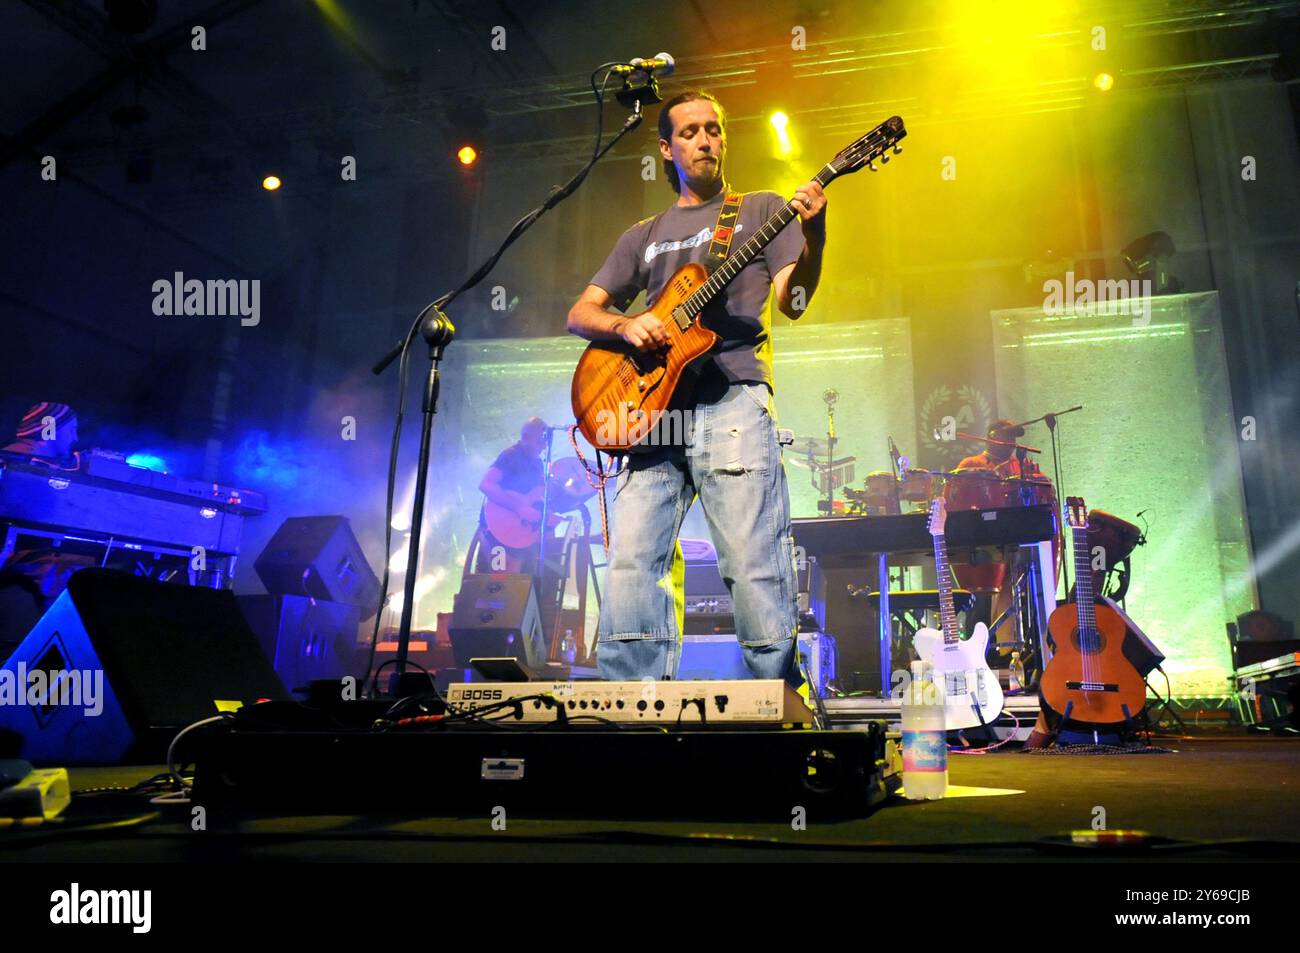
1092,686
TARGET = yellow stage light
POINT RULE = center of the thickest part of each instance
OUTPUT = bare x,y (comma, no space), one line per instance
271,183
1104,81
784,148
467,155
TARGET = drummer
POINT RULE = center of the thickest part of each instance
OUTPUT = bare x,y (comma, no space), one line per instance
1001,459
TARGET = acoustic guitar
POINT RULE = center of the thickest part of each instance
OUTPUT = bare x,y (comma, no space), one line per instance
619,393
511,529
971,693
1088,683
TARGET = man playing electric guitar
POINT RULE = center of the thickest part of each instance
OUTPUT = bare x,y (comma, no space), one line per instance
732,460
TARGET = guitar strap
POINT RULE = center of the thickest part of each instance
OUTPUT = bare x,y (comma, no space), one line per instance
724,229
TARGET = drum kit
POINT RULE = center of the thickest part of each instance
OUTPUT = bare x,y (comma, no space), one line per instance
970,488
910,490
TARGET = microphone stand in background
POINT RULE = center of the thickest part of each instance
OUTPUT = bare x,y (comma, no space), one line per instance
1051,420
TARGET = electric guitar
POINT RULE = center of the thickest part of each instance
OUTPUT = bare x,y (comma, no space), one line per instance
971,693
619,393
1088,682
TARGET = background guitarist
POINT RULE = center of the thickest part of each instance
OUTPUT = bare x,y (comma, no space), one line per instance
733,461
517,471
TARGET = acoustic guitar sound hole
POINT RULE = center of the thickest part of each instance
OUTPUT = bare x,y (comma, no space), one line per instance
1088,643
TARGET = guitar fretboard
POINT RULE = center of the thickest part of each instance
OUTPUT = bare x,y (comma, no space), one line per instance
748,251
947,614
1083,593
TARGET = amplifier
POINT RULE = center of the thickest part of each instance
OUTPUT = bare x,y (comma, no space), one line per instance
752,701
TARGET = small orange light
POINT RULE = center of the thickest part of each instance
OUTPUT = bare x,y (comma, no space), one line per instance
271,183
1104,81
467,155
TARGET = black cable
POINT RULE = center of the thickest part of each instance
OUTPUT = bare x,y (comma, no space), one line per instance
681,710
374,685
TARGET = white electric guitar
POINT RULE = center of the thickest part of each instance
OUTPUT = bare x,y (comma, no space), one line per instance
972,695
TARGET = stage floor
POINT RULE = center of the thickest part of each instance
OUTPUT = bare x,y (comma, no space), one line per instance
1238,788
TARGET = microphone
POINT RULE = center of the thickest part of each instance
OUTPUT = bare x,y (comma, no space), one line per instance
661,64
893,448
830,395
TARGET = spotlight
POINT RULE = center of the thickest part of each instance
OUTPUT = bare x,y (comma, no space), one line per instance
1104,82
781,127
467,155
271,183
1148,258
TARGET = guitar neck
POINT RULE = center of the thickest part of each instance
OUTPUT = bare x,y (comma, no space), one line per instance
751,249
1083,594
947,614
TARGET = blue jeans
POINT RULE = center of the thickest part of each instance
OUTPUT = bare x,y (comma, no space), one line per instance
732,462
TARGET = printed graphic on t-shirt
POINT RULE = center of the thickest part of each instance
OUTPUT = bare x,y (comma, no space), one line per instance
702,237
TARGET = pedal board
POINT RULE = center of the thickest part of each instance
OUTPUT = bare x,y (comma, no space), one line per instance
761,702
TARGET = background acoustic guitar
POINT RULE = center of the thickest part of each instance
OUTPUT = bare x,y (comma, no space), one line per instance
512,529
1088,683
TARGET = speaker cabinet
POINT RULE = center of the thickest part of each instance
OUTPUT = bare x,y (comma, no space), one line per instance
306,639
319,556
119,664
494,616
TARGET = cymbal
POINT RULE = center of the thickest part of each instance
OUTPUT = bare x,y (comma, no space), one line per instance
569,477
818,446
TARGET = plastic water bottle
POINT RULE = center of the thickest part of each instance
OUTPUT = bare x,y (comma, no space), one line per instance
1016,677
925,738
569,647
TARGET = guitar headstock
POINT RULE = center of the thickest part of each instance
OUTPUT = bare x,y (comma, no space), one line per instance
1076,512
880,143
938,516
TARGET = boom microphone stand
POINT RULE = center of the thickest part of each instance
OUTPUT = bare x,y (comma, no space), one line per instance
437,330
1050,420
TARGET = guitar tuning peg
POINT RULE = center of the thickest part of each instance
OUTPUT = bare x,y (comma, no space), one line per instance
897,149
884,160
871,166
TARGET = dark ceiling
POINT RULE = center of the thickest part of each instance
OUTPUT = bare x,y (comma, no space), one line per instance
281,80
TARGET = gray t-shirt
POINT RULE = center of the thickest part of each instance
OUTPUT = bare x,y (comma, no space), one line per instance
651,251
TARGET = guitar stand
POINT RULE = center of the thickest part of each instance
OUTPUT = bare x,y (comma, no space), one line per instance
1128,729
1166,708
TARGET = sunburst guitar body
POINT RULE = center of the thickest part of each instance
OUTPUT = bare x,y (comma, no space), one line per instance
619,394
